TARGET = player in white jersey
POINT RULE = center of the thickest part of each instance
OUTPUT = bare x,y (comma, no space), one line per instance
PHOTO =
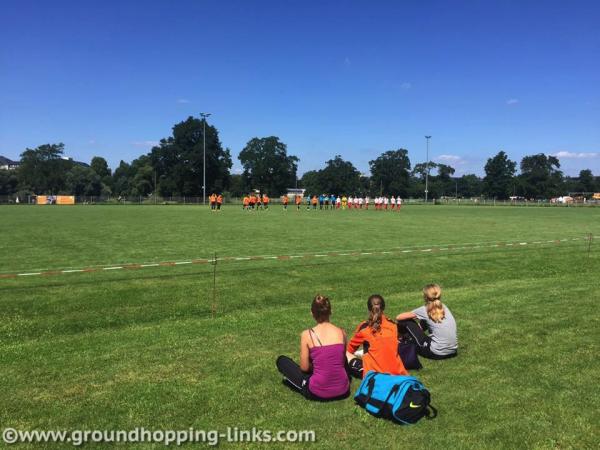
386,201
356,202
398,203
393,202
367,199
350,202
338,202
361,201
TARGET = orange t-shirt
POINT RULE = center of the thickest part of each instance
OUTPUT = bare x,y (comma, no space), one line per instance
246,201
314,200
298,199
213,198
220,199
285,199
265,199
381,348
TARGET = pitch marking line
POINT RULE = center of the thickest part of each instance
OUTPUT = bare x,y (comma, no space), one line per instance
472,246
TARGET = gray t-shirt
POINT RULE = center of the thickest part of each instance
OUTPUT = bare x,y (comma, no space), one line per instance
443,334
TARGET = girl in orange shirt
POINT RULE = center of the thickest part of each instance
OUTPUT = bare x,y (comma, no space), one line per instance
378,336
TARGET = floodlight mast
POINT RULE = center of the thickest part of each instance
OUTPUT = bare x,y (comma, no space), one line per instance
427,169
204,116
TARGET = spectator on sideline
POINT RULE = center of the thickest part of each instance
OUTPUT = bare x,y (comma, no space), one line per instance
321,374
435,318
378,336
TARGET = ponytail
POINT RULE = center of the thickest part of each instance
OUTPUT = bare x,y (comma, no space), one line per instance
432,294
376,305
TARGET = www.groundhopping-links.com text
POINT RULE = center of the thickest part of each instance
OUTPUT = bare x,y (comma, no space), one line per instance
165,437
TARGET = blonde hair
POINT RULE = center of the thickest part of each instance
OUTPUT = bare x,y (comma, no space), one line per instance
432,294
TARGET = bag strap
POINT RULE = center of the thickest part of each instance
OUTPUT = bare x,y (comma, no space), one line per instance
431,412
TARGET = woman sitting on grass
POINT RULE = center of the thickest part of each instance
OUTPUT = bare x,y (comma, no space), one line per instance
435,318
321,374
378,336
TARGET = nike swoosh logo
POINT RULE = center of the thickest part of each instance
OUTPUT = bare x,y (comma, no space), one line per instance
412,405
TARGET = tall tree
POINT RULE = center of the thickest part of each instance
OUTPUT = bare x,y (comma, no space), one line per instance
499,176
311,181
81,180
43,169
8,182
340,177
586,181
267,166
540,176
121,179
470,185
390,172
178,160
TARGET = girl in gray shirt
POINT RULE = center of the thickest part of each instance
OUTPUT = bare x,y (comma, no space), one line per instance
434,317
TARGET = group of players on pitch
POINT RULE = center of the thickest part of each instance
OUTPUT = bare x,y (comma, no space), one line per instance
324,201
328,359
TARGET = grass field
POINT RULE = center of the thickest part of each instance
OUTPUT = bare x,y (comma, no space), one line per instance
118,349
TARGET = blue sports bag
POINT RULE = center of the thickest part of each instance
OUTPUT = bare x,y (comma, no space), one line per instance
400,398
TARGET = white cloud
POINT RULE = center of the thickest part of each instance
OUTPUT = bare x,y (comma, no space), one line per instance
145,143
406,85
574,155
449,158
182,101
512,101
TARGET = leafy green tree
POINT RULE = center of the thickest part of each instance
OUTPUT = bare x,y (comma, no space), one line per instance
586,181
390,173
142,181
8,182
540,176
470,185
267,166
340,177
311,181
499,176
237,187
100,166
43,169
81,180
179,161
121,179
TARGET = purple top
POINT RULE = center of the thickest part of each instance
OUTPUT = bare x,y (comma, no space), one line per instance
329,378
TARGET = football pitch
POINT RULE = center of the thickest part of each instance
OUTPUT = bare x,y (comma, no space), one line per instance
171,317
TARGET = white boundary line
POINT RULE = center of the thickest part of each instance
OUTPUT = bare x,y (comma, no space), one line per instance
433,248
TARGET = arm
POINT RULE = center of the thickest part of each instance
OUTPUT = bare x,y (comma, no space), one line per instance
355,342
406,316
304,354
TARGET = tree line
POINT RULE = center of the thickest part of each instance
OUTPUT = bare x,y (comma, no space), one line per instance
174,168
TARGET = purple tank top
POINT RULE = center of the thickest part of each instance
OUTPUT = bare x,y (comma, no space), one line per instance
329,378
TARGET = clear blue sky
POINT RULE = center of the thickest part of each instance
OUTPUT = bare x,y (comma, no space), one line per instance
110,78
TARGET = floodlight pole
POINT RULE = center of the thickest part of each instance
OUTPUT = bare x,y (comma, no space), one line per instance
427,169
204,116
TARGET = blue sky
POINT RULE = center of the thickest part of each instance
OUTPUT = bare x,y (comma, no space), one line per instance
110,78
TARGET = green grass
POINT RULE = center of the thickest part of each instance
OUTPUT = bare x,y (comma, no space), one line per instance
129,348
